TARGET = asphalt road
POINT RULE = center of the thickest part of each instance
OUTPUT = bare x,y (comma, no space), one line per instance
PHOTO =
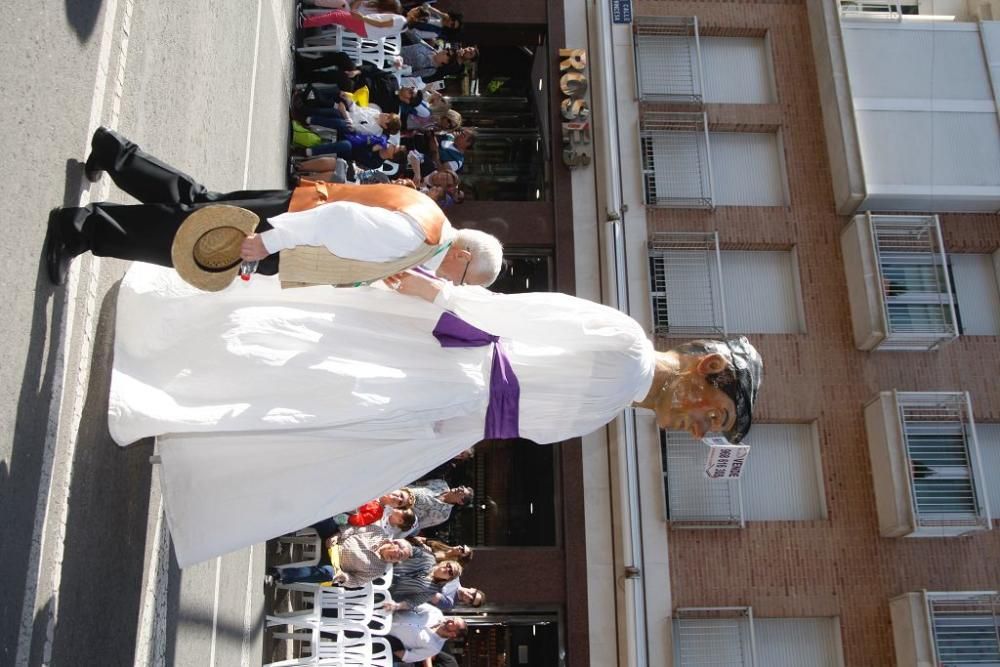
87,576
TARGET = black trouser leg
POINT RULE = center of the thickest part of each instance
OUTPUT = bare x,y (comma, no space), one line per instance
145,232
139,232
143,176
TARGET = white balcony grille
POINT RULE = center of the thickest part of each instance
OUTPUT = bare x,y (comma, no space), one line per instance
693,500
714,636
686,284
668,59
676,159
880,10
965,628
943,461
917,299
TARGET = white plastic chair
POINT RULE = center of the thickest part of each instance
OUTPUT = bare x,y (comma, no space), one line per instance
330,39
341,651
381,620
381,52
351,608
311,544
306,616
354,651
381,652
383,582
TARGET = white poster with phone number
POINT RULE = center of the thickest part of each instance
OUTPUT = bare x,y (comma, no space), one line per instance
725,460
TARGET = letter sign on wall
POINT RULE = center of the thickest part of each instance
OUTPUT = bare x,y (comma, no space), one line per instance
574,108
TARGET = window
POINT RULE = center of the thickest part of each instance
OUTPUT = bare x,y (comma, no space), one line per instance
988,436
514,484
500,96
667,59
676,64
698,290
898,282
747,168
686,166
975,284
733,637
781,480
675,159
926,464
761,291
737,70
947,629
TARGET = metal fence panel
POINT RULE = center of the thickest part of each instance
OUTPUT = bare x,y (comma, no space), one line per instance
668,59
686,284
966,629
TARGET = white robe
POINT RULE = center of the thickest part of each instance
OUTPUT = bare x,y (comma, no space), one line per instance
275,408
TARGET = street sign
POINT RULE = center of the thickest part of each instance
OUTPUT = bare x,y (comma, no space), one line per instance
725,460
621,11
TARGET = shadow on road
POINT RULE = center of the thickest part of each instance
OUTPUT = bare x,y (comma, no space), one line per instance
20,480
102,574
82,16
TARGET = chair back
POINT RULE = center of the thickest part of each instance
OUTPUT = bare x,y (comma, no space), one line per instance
381,620
384,581
347,606
381,655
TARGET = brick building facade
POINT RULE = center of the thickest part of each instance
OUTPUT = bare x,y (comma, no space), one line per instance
630,569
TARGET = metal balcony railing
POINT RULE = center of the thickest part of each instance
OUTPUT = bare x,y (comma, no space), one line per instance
943,461
668,59
717,636
965,628
879,10
693,500
918,303
685,275
676,159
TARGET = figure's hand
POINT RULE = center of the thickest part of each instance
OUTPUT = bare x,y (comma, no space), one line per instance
412,284
391,606
339,579
252,249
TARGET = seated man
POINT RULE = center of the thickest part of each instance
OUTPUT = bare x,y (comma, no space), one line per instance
351,226
420,634
433,501
351,558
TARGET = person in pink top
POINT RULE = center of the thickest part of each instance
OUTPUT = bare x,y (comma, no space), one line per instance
372,26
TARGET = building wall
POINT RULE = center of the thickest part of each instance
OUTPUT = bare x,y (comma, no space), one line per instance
839,566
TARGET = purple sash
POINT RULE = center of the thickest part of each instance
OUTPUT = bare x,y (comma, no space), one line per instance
502,417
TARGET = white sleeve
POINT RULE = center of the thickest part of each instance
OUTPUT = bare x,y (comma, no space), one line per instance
347,229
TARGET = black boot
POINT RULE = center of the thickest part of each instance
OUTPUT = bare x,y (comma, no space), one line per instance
63,242
92,169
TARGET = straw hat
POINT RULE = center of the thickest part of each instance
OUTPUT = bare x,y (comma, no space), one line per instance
206,249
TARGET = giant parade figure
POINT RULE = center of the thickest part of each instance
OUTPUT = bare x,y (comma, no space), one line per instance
273,408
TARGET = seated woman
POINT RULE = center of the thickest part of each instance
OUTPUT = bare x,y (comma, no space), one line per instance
420,578
432,64
375,25
429,23
442,552
351,118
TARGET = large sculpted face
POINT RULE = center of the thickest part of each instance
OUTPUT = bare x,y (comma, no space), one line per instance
688,402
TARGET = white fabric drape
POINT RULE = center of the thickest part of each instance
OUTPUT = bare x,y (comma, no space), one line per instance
275,408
